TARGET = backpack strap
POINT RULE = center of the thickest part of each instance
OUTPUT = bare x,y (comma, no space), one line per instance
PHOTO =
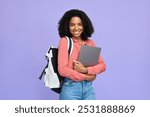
70,45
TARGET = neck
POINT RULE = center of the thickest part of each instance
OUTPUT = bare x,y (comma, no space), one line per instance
80,41
78,38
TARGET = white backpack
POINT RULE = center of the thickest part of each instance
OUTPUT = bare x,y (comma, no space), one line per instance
52,78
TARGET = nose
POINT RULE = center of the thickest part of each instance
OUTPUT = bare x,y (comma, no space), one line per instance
76,27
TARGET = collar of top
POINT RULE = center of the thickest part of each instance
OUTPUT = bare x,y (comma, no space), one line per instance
76,41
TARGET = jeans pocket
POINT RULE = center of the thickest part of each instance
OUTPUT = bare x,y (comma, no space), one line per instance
68,83
89,83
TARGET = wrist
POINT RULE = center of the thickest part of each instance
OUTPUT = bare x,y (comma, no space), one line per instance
85,70
86,76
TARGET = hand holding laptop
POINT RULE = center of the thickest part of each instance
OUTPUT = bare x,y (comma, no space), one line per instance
88,56
79,67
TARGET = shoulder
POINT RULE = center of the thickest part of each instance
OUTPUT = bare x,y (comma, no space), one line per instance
63,43
63,40
90,42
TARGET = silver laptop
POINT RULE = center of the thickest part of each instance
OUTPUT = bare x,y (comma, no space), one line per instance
89,55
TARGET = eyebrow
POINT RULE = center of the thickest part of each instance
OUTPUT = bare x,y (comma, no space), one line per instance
77,23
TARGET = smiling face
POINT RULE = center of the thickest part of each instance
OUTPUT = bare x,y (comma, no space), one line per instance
76,27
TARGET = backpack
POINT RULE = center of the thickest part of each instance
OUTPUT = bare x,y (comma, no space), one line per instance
52,78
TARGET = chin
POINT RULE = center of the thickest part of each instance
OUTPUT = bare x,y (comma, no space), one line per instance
76,36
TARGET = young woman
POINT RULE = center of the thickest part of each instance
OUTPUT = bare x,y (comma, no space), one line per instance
78,79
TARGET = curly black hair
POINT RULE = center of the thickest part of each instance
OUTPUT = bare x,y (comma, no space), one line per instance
63,24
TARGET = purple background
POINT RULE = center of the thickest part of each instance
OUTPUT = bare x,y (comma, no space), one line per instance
29,27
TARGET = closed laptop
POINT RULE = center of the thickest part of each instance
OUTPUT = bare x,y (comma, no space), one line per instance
89,55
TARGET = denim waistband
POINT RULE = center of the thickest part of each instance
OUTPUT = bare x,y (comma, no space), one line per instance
70,80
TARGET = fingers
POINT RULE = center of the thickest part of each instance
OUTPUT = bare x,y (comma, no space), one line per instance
76,62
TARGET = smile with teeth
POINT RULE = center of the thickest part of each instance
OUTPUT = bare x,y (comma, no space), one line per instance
76,32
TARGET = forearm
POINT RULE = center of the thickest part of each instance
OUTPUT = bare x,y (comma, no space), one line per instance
70,73
96,69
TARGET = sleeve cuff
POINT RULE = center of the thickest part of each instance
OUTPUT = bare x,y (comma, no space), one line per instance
82,77
90,70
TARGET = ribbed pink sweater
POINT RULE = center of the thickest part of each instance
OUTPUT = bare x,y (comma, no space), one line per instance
65,66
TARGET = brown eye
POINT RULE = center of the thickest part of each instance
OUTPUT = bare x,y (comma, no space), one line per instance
71,24
80,24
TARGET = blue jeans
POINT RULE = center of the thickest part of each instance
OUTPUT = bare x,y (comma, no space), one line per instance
72,90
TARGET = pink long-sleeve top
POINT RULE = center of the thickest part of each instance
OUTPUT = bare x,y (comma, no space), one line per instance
65,65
